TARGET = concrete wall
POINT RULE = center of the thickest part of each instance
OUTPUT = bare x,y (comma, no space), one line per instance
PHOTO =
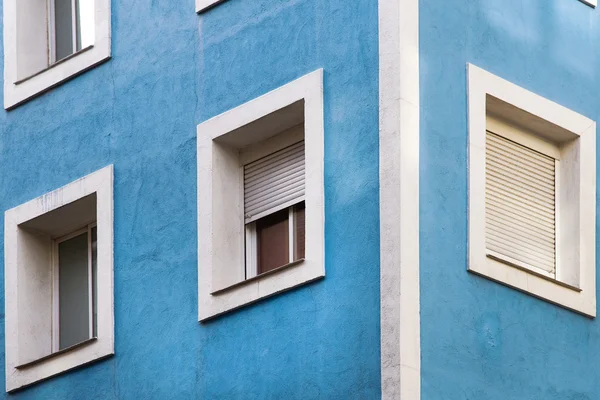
172,69
481,340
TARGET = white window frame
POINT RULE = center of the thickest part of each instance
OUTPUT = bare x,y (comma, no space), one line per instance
19,88
56,285
574,284
221,226
205,5
21,373
52,29
252,243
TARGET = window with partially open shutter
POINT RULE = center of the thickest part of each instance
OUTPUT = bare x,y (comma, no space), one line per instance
274,182
520,204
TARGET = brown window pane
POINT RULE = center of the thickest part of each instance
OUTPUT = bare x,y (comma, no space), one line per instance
272,241
299,230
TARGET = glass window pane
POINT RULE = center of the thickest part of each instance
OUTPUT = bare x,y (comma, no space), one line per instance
63,28
272,234
85,23
95,280
73,291
299,231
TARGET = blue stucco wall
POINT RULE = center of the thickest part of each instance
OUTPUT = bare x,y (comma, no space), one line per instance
172,69
481,340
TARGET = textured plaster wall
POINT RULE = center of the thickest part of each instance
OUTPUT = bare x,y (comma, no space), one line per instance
172,69
481,340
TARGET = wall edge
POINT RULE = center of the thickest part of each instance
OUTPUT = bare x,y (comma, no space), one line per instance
399,198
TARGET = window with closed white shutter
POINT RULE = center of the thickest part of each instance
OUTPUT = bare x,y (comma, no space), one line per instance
274,210
520,204
532,193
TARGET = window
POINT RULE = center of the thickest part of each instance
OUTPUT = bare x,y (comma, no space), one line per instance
520,197
49,41
532,186
59,280
74,263
260,197
70,27
274,210
275,241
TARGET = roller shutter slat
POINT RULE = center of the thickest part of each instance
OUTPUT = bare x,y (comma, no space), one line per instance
527,252
508,160
520,153
522,214
526,234
504,232
519,223
508,189
256,171
278,173
522,255
539,171
274,182
277,185
520,203
519,257
505,194
523,179
266,160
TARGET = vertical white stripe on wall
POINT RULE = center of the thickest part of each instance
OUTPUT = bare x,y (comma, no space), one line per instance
399,198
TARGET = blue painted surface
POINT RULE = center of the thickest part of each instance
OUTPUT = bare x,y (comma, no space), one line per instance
172,69
481,340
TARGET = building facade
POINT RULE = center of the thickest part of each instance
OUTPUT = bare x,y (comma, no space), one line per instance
479,338
299,199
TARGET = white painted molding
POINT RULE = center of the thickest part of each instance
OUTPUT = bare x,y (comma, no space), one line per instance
19,88
574,286
203,5
592,3
399,198
223,141
23,327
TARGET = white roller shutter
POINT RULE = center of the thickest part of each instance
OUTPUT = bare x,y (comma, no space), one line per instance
274,182
520,204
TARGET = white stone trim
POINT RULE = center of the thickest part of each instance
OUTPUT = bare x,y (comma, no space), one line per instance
18,90
101,183
592,3
399,198
203,5
574,286
212,298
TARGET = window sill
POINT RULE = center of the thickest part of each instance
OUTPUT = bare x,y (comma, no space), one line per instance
57,353
591,3
258,277
581,301
533,271
18,91
54,65
258,288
